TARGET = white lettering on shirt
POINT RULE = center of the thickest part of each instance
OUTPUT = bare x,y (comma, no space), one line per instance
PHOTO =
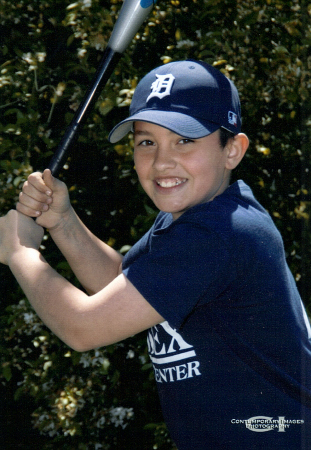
167,347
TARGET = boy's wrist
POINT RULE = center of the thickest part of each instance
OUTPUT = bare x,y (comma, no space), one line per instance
21,257
66,221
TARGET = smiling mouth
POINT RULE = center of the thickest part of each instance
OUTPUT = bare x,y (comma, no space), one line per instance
169,183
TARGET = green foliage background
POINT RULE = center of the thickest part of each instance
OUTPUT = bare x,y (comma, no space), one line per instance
49,52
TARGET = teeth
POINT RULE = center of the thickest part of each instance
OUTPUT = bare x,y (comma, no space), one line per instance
169,184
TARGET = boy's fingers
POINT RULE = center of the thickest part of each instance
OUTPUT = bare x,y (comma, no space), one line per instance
32,204
27,211
29,190
36,180
33,209
52,183
48,178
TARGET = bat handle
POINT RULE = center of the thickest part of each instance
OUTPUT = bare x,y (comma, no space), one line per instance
107,64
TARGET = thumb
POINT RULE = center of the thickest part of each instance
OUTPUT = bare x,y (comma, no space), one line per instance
50,181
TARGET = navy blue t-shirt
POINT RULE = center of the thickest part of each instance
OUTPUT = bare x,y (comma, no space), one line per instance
232,360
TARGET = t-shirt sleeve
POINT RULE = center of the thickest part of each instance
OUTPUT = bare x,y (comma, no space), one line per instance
186,266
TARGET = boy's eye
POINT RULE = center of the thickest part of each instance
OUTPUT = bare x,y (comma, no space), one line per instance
145,143
186,141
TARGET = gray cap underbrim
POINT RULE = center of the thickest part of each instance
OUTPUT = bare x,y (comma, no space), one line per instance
179,123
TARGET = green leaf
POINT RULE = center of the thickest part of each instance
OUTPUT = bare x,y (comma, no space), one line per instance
7,373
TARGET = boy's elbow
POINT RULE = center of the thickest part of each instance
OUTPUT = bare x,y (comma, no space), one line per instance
82,335
80,344
81,341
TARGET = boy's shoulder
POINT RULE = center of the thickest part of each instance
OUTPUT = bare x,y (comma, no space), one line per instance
236,201
235,217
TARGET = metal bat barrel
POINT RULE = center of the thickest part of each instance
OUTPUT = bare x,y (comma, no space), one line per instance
132,15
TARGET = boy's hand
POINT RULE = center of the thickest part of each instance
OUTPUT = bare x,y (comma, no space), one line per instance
16,233
44,197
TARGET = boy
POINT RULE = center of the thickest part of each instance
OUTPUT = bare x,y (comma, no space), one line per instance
228,335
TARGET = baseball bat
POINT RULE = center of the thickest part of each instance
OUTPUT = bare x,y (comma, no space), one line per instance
132,15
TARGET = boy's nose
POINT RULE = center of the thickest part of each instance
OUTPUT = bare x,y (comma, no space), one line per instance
163,158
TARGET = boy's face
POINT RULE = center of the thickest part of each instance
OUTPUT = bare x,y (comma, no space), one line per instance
178,173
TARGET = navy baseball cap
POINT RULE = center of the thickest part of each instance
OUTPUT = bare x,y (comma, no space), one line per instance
190,98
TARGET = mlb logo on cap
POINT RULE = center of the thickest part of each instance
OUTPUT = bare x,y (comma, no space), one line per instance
232,118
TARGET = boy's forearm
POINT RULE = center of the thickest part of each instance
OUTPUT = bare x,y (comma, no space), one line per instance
94,263
53,297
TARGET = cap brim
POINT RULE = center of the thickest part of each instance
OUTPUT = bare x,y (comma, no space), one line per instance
180,124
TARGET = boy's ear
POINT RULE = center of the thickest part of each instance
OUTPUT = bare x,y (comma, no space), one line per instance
236,149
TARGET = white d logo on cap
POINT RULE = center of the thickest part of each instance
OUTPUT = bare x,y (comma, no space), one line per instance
162,86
